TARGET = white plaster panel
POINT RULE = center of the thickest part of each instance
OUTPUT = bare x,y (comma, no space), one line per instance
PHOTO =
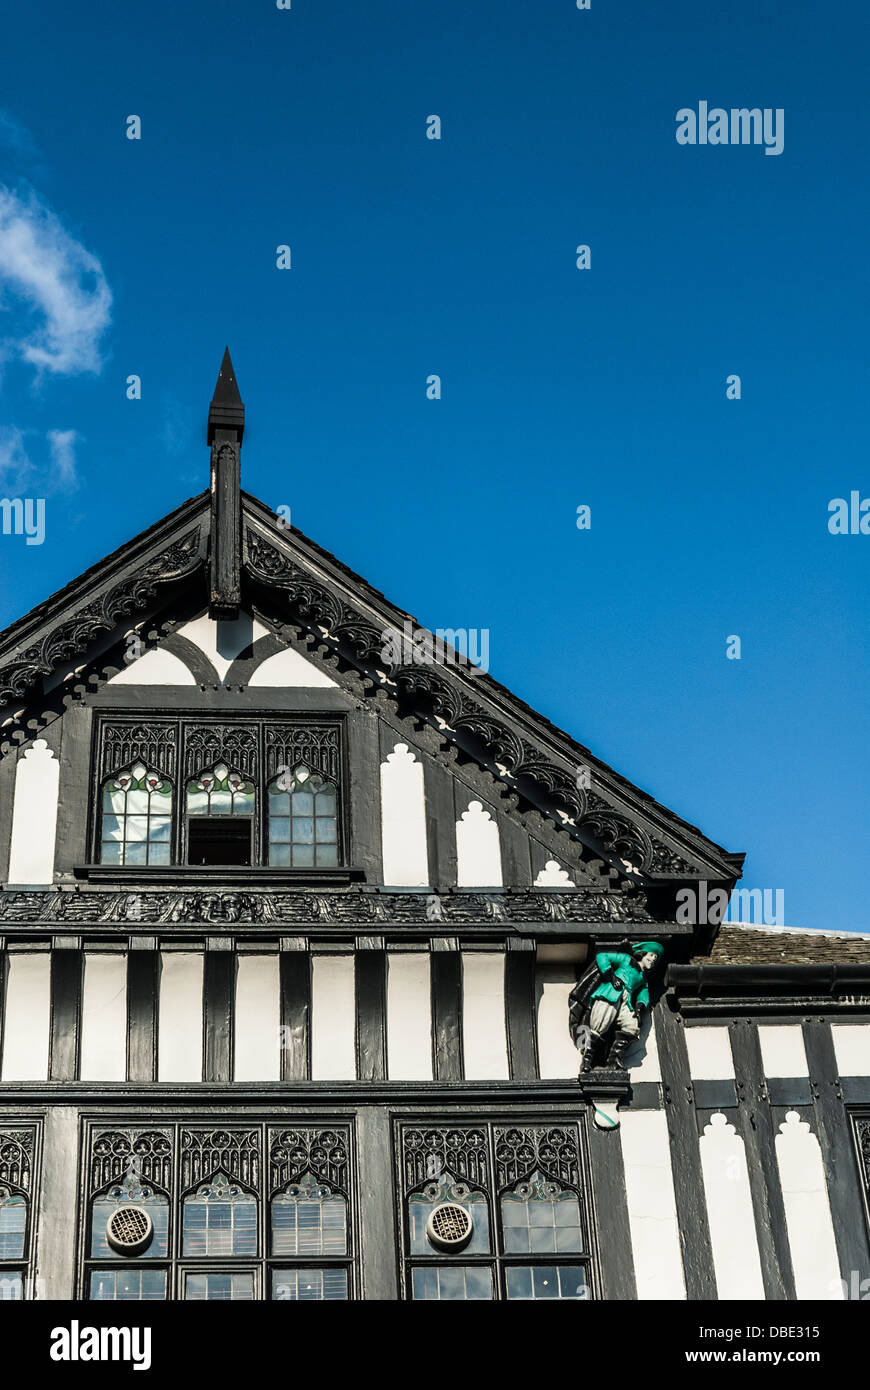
158,667
852,1048
180,1020
642,1058
27,1016
710,1055
478,852
333,1018
403,820
223,641
553,876
484,1035
557,1055
104,1018
409,1016
807,1211
736,1260
652,1209
34,816
290,668
782,1049
258,1019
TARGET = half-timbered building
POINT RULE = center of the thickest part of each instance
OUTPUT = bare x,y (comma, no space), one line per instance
288,929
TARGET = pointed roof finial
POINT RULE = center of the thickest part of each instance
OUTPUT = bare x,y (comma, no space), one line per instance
226,411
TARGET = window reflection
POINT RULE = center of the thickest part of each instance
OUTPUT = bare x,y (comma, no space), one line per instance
307,1285
221,1219
451,1282
120,1285
540,1217
545,1281
309,1219
137,817
303,820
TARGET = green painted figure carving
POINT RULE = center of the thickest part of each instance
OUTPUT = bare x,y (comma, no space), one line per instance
612,992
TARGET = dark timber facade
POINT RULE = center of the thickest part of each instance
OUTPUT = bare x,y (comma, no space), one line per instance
287,934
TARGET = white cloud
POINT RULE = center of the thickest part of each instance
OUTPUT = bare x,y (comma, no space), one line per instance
60,285
63,458
15,465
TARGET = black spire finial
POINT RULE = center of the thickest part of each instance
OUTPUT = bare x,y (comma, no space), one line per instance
226,411
226,425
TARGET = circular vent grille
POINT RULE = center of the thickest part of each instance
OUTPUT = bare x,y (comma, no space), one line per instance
129,1230
449,1226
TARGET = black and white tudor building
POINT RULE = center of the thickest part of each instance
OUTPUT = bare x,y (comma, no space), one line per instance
287,935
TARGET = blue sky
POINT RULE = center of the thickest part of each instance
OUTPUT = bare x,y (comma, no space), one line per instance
561,387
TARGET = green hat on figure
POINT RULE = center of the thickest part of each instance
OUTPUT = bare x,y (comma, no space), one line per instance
653,947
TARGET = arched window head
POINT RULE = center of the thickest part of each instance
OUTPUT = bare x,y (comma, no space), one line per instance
308,1218
541,1217
13,1224
137,817
220,1218
303,819
219,792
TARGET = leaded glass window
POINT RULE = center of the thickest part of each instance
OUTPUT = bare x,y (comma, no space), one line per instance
207,1190
309,1285
303,820
494,1211
220,792
540,1217
236,1287
13,1225
221,1219
121,1285
308,1219
136,824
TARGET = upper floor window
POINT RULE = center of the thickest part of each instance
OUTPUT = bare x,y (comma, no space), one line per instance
303,820
137,817
17,1150
206,792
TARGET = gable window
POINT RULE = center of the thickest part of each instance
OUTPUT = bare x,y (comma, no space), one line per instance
303,820
204,791
136,817
220,810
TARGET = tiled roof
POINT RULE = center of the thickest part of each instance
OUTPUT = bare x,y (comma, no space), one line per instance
739,945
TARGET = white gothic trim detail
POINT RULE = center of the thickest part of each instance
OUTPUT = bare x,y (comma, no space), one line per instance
554,876
403,820
807,1211
736,1259
478,851
34,816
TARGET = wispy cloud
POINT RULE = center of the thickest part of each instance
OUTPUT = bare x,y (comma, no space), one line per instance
55,283
15,465
63,458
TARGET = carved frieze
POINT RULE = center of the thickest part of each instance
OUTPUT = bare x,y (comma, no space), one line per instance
339,908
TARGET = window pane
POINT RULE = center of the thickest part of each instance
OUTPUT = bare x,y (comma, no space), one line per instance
228,1288
327,856
324,829
13,1224
303,804
279,829
219,1220
156,1207
11,1286
309,1284
303,856
541,1218
279,855
452,1282
546,1281
303,830
124,1284
308,1219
